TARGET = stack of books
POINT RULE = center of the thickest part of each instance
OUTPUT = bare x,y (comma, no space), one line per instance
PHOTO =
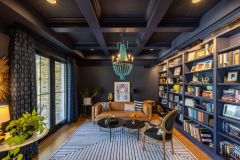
200,133
231,95
231,129
229,150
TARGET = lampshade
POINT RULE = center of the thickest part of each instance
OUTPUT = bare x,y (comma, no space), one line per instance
4,113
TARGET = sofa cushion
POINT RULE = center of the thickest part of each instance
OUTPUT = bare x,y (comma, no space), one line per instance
129,107
138,105
118,106
105,106
121,114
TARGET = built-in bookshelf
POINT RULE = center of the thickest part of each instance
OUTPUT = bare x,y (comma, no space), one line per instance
203,84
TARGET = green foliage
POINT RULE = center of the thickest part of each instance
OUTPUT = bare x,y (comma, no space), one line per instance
20,130
85,92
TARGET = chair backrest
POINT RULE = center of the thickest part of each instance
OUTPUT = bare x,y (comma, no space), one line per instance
168,121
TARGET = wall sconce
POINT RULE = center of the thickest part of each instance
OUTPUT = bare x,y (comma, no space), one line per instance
4,79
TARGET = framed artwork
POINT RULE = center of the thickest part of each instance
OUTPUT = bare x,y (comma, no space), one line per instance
200,53
208,64
231,111
122,91
191,56
177,71
231,77
4,79
200,66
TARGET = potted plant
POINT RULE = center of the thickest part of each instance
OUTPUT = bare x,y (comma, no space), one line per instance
22,129
87,95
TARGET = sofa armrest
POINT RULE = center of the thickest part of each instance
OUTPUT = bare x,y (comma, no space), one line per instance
147,109
96,110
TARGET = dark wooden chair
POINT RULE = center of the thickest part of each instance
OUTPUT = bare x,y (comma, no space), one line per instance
166,134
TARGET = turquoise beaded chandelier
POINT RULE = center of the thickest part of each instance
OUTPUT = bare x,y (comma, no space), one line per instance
123,63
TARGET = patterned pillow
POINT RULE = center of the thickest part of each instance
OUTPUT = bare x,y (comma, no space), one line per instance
138,105
105,106
129,107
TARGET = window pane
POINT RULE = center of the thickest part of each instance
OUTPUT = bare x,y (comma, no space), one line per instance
60,106
60,94
43,90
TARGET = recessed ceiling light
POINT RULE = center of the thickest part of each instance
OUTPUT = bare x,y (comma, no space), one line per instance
92,49
151,49
52,1
196,1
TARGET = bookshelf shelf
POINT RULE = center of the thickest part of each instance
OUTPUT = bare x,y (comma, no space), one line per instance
229,102
179,94
229,119
229,84
162,84
235,140
205,70
175,102
199,59
237,46
228,67
179,65
201,110
200,123
195,84
175,84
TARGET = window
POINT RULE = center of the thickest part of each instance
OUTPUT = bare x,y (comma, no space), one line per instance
60,92
43,87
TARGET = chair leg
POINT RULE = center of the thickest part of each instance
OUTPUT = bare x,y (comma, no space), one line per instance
144,149
172,146
164,152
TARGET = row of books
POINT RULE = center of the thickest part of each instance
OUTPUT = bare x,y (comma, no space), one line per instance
229,58
200,116
175,62
200,133
231,129
232,95
229,150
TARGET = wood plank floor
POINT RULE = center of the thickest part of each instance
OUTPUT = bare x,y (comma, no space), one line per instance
48,147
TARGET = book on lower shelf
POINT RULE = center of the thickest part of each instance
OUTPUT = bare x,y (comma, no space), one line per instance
231,129
199,132
229,151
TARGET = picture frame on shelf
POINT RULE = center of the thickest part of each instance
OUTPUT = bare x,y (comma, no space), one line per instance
232,76
200,53
191,56
177,71
232,111
200,66
208,64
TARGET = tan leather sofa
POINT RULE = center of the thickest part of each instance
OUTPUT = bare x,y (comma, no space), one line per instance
117,109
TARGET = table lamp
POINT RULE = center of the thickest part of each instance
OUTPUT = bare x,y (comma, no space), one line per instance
4,114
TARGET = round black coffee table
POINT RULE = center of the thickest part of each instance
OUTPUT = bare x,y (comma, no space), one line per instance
101,123
137,125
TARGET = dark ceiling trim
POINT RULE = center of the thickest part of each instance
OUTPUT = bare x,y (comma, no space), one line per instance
150,9
90,16
123,22
157,15
97,8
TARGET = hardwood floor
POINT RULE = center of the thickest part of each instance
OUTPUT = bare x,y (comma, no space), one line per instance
48,147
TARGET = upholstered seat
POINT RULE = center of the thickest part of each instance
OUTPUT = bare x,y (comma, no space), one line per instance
166,133
152,133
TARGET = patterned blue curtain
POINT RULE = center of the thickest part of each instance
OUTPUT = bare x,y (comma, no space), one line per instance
23,78
72,96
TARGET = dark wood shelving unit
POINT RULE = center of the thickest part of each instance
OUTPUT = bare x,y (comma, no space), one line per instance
216,73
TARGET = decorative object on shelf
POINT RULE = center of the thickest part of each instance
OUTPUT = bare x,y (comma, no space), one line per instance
4,79
205,80
189,102
232,111
200,66
177,71
208,64
208,48
231,95
164,101
200,53
22,129
195,78
197,91
122,91
162,81
193,68
110,97
176,88
123,64
207,94
191,56
232,76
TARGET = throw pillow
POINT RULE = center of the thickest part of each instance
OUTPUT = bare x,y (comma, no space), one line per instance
105,106
138,105
129,107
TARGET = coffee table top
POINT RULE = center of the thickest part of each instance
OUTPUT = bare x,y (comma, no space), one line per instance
102,123
137,125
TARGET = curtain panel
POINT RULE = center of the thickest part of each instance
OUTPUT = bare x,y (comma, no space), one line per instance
72,98
23,78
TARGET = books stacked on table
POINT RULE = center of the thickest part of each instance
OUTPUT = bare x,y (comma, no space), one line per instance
229,150
200,133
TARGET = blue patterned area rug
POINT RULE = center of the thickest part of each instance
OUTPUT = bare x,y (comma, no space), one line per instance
89,143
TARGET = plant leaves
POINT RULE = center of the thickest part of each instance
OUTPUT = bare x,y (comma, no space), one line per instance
14,151
20,156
